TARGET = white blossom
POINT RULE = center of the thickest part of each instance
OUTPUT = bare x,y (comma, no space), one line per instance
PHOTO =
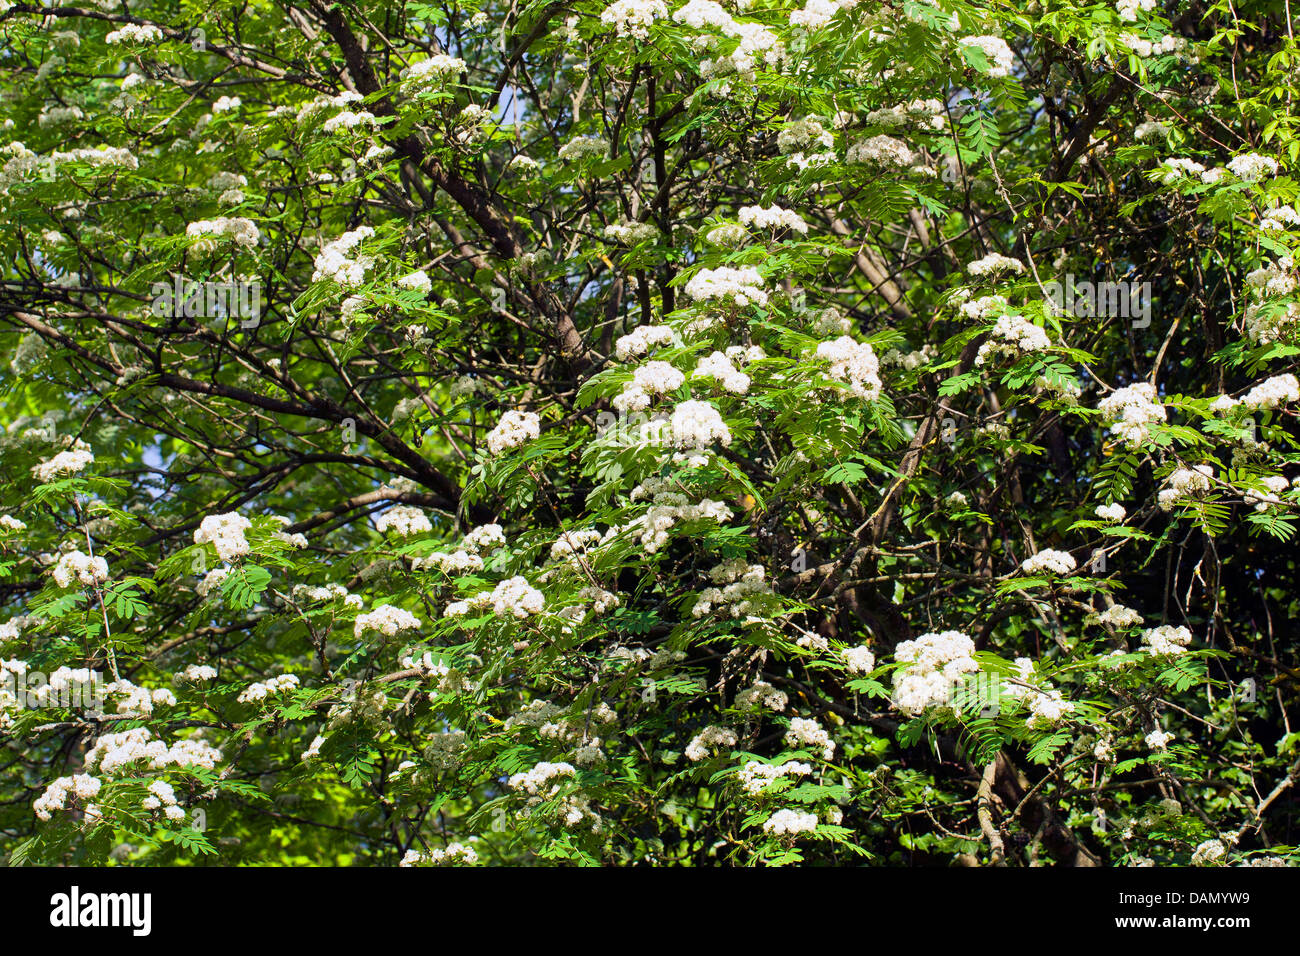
387,620
514,429
75,566
225,533
633,18
853,363
1048,561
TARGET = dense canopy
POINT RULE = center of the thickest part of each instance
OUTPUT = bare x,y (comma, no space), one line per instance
681,433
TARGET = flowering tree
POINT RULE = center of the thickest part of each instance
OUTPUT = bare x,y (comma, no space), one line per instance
752,432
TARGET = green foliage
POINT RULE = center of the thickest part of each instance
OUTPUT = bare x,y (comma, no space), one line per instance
439,433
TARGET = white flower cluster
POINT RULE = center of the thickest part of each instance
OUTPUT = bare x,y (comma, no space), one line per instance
630,233
1150,129
1117,615
601,600
804,731
592,600
1176,168
454,854
708,740
135,701
1209,852
417,281
163,796
376,154
79,567
790,822
697,425
984,306
774,217
426,665
1184,483
1166,640
1048,561
101,156
226,534
755,777
1128,9
668,510
830,321
761,696
543,779
484,538
59,115
433,70
632,18
995,263
859,660
1252,167
387,620
802,134
1262,500
134,33
348,120
880,151
727,235
513,430
208,232
112,752
741,582
1131,409
83,786
513,597
935,664
1047,708
1273,392
260,690
817,13
332,262
455,562
699,14
583,147
924,113
743,286
404,521
229,187
853,363
293,540
1280,218
995,50
524,165
535,713
1266,323
196,674
329,592
1114,513
69,462
571,543
717,367
1012,336
648,381
754,38
444,749
641,340
465,385
1158,739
